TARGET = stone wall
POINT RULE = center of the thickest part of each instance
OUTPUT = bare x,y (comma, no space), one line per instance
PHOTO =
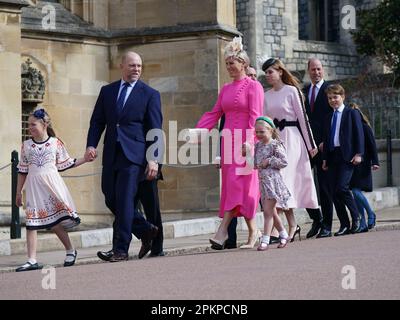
123,14
74,73
10,93
243,20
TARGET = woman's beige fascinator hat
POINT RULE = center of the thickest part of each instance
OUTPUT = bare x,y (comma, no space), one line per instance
235,49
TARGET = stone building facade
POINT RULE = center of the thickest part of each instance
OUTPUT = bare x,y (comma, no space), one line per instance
181,42
297,30
76,46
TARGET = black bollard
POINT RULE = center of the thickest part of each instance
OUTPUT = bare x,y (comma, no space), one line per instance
15,227
389,158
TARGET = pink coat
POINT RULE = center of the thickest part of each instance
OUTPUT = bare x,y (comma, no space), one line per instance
298,177
242,103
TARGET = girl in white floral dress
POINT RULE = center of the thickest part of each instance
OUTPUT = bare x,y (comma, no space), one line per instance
49,204
269,158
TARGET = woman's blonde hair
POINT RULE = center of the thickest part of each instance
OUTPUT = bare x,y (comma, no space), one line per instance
355,106
42,115
234,49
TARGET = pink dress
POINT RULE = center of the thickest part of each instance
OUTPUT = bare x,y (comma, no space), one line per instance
286,104
48,201
242,103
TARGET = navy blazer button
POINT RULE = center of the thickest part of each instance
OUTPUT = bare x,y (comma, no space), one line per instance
117,124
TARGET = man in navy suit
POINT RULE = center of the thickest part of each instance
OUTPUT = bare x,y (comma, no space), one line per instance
317,108
342,150
127,109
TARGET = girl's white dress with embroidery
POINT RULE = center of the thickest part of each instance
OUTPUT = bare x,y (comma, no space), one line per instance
271,181
48,201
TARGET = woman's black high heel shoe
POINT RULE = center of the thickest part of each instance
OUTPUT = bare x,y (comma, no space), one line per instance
218,245
298,229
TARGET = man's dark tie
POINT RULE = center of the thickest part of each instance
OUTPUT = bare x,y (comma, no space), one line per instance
333,131
121,99
312,101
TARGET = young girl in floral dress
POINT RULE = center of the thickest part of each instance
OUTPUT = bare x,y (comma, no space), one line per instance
49,204
269,159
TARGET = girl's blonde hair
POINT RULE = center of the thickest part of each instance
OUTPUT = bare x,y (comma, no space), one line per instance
355,106
42,115
267,124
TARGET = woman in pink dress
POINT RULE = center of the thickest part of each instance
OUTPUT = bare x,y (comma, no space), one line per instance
242,103
283,103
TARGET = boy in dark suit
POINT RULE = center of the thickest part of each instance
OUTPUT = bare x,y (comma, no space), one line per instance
342,150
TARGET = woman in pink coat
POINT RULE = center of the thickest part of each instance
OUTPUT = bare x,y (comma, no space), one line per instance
242,103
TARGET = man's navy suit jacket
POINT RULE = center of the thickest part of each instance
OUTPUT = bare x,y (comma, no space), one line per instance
141,113
321,111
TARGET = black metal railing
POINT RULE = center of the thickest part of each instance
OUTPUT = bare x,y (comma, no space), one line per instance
383,119
389,158
15,227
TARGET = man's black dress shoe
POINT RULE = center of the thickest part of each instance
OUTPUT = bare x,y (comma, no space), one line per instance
117,257
324,234
355,226
147,240
156,254
227,246
28,267
342,232
105,255
315,228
